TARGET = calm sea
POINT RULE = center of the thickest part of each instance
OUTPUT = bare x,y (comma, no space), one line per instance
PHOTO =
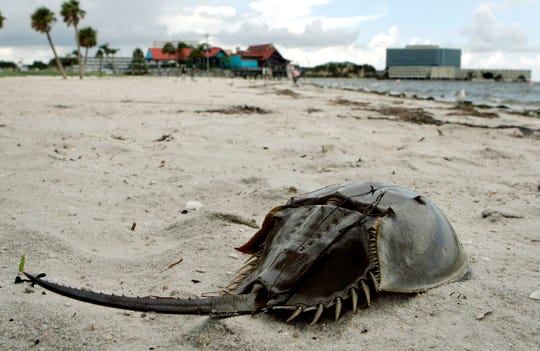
515,96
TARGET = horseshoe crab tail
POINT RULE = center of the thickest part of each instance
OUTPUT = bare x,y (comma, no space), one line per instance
219,306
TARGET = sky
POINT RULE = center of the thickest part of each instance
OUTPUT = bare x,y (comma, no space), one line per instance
491,34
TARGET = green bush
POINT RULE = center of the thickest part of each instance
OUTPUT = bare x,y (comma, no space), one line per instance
7,65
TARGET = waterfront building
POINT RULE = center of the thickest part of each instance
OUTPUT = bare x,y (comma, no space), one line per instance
433,62
423,55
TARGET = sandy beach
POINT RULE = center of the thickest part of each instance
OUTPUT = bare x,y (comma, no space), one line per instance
82,163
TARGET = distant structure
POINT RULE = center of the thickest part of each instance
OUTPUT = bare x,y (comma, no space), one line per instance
108,65
214,56
423,55
433,62
259,60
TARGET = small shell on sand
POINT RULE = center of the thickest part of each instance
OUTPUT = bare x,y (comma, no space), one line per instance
535,295
194,205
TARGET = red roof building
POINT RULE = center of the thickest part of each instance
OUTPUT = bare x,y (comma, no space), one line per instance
260,52
215,57
156,54
266,55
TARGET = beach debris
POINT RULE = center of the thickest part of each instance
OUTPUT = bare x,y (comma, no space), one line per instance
420,116
21,263
287,92
164,137
133,226
466,110
239,109
535,295
495,215
345,102
193,205
412,115
117,137
327,148
379,237
173,264
313,110
483,315
458,295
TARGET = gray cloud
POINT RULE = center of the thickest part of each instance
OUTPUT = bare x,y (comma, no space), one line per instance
117,22
130,24
313,36
487,34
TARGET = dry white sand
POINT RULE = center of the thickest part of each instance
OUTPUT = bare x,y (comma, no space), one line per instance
80,163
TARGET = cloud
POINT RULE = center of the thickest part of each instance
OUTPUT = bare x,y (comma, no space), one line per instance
384,40
374,53
282,22
292,15
502,60
124,24
313,35
486,33
201,20
117,22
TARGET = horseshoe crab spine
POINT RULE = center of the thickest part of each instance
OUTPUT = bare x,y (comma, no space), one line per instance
222,306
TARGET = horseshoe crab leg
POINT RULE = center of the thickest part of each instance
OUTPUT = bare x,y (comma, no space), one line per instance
354,298
295,314
220,306
366,292
338,308
318,314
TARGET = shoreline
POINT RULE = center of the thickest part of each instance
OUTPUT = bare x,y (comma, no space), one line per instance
518,109
82,161
394,89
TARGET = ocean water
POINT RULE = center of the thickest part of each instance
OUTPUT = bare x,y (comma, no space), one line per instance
519,97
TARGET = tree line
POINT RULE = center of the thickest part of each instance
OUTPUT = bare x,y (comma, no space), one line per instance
42,20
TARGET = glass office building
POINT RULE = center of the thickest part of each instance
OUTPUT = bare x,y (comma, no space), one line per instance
423,55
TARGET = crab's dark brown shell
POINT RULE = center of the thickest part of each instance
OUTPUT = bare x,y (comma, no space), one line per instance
333,244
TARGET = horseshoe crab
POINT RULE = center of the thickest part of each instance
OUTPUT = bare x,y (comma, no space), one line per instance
323,249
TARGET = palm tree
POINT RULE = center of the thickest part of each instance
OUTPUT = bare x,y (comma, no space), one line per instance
88,39
180,48
108,51
99,55
168,49
138,63
42,19
138,53
72,14
197,54
2,18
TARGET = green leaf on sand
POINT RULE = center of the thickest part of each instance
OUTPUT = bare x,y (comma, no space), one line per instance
21,264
